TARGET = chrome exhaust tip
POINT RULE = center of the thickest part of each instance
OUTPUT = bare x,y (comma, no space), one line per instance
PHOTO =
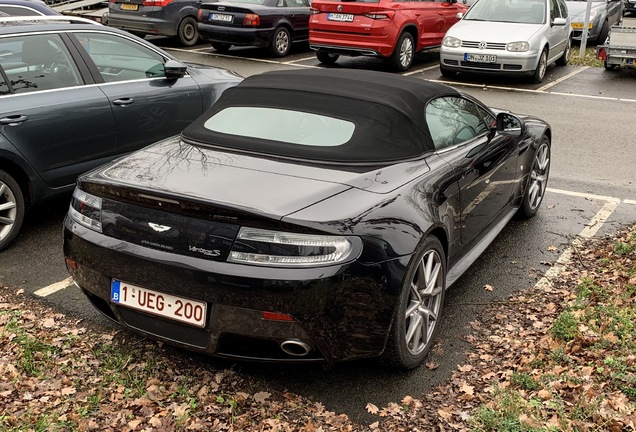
296,348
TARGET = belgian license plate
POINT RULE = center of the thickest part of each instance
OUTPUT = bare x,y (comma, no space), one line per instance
131,7
340,17
480,58
220,17
579,25
160,304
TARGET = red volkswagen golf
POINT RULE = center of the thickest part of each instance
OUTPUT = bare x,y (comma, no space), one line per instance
390,29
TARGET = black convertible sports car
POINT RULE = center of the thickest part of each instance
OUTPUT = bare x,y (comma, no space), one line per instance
307,216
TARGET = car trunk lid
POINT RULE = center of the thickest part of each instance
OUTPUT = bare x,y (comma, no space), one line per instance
344,16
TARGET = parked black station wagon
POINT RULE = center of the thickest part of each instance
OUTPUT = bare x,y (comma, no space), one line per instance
74,96
325,228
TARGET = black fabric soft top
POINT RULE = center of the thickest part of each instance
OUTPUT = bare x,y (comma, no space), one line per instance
388,111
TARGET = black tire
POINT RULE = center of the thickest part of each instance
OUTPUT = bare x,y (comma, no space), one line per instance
327,58
11,209
221,47
537,181
187,32
446,72
281,42
418,311
542,66
404,52
565,58
602,36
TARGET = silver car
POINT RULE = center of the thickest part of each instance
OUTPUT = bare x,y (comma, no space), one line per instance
508,37
603,15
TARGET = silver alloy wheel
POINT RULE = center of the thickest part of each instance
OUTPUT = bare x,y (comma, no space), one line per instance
424,303
406,52
539,176
543,64
282,41
8,210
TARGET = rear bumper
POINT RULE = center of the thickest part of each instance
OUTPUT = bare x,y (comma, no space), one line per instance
351,44
592,34
513,64
235,35
343,312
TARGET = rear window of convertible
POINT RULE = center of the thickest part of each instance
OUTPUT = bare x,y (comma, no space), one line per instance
307,126
282,125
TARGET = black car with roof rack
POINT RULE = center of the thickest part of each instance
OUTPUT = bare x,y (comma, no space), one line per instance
75,94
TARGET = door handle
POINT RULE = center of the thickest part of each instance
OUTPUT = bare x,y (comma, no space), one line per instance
13,120
123,101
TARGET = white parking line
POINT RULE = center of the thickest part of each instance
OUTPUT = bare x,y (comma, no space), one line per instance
485,86
420,70
585,96
52,289
299,60
584,195
227,56
589,231
599,219
563,78
628,201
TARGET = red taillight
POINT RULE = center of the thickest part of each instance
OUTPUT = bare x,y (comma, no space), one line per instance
158,3
251,20
111,1
200,14
72,264
601,54
275,316
380,15
314,11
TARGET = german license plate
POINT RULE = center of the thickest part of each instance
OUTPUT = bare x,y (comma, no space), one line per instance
578,25
480,58
340,17
160,304
131,7
220,17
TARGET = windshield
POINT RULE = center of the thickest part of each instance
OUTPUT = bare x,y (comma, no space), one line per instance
511,11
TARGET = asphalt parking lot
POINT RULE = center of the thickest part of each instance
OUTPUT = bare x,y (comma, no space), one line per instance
592,192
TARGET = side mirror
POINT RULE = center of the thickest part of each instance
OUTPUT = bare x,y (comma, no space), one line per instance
509,124
559,21
174,69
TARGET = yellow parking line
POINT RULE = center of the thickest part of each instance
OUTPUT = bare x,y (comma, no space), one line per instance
563,78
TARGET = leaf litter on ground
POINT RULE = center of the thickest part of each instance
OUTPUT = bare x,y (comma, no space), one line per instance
558,356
